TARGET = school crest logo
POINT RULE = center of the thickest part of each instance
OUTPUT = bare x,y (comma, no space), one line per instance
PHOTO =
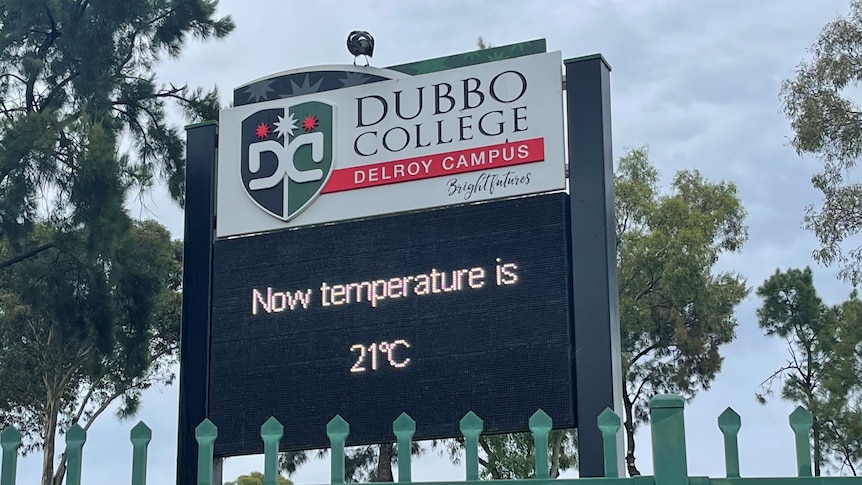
287,156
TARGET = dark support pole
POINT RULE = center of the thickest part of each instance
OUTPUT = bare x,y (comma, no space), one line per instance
594,270
197,267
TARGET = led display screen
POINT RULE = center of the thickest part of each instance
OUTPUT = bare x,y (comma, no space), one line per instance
434,313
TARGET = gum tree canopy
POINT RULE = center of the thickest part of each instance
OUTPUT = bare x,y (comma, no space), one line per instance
826,120
676,309
88,296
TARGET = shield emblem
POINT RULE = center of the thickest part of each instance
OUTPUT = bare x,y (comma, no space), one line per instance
287,156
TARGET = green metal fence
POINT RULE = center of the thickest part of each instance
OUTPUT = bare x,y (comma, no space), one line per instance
667,434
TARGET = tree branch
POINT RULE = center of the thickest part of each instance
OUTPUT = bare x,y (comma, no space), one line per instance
651,287
59,87
133,123
161,17
644,352
485,463
13,75
637,393
40,54
61,466
84,403
767,383
27,255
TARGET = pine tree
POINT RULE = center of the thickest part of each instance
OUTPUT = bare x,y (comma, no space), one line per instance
89,296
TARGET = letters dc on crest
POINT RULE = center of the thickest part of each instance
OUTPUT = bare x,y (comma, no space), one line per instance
287,156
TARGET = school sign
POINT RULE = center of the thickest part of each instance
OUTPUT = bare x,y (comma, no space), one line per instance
464,135
434,238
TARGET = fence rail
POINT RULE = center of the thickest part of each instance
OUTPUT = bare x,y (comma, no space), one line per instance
667,426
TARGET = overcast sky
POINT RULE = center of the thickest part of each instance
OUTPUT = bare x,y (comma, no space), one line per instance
696,81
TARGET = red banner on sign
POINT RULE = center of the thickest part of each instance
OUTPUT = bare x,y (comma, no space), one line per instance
437,165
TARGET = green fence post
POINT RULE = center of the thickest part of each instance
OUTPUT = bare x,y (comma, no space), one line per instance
205,434
801,421
729,424
271,433
404,428
10,441
471,428
140,437
668,440
75,439
609,424
337,430
540,425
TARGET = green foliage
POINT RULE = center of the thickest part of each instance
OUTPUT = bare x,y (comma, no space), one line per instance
512,455
71,64
675,311
80,332
482,44
371,463
89,303
256,478
361,463
507,456
822,372
825,121
500,456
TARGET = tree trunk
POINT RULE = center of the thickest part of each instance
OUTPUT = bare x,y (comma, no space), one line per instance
60,473
630,437
491,464
818,454
218,471
52,410
556,452
384,464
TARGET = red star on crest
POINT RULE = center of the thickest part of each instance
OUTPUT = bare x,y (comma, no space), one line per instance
309,123
262,131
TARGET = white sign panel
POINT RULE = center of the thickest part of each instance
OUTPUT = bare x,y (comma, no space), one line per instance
463,135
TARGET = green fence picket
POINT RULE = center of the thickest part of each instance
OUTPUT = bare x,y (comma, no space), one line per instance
140,436
801,422
10,441
271,433
75,439
471,428
404,428
540,426
609,424
337,429
729,424
205,434
670,466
